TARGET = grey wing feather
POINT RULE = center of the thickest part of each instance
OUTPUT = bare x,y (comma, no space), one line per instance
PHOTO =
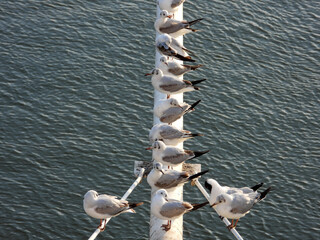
178,70
104,207
176,159
172,209
176,3
171,133
170,180
171,84
172,27
242,203
172,114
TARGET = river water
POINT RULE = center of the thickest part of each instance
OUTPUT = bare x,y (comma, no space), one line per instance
76,110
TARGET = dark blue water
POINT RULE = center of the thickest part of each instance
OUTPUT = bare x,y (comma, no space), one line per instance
76,110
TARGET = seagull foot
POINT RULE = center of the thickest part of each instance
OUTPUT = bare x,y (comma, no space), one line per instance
230,227
166,227
100,226
221,218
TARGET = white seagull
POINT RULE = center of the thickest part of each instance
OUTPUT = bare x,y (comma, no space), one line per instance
175,68
170,85
169,110
105,206
233,203
175,28
161,178
169,5
170,155
170,47
170,209
170,135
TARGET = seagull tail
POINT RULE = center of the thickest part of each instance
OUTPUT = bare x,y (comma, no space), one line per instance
198,205
191,108
133,205
197,175
191,135
256,187
195,21
182,58
198,154
264,194
197,81
192,67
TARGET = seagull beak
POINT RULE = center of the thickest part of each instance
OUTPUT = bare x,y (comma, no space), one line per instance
166,63
214,204
162,172
148,74
170,16
149,148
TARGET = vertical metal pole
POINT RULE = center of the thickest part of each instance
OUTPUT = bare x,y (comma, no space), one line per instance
176,231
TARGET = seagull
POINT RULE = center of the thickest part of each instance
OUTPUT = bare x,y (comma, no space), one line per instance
170,85
170,155
170,47
170,209
175,68
175,28
105,206
169,5
169,110
233,203
160,178
170,135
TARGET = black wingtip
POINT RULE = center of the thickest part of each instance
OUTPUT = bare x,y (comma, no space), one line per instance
198,174
198,154
133,205
197,206
256,187
195,104
197,81
264,194
196,134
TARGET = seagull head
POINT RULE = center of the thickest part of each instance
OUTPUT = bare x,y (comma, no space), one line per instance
158,166
220,199
164,38
174,102
90,196
156,72
157,145
164,60
165,14
211,185
162,193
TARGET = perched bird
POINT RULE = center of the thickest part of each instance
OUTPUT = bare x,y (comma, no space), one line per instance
175,68
233,203
170,47
169,110
170,135
170,209
170,85
105,206
169,5
169,178
170,155
175,28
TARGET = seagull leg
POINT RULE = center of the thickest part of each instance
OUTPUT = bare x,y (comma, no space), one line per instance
100,226
236,223
231,225
167,226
